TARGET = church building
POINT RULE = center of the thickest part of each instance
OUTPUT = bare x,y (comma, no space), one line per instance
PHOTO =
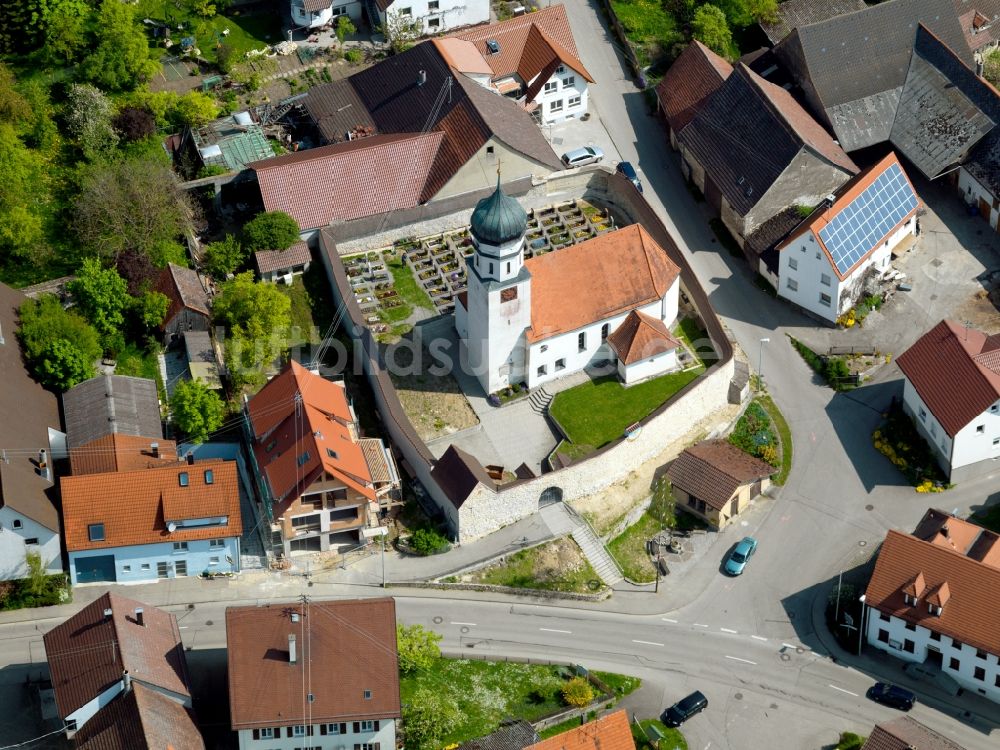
612,298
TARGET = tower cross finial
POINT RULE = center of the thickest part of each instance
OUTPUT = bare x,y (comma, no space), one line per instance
498,170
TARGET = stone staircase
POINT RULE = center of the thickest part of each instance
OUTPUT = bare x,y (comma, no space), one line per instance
540,400
594,550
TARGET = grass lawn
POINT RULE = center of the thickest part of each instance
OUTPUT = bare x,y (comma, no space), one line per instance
246,32
697,338
407,286
562,726
672,738
573,451
648,26
302,317
597,412
140,363
487,692
620,684
784,435
556,566
629,549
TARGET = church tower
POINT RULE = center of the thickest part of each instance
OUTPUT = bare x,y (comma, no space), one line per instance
499,292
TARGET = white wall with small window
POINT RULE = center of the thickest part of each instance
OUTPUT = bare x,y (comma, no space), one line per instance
975,443
563,96
312,14
142,563
365,734
974,669
435,16
20,535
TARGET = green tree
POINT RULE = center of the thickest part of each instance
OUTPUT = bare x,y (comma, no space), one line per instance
121,60
137,203
344,28
102,296
427,718
258,317
577,692
195,108
59,345
150,309
37,580
709,27
39,129
273,230
401,31
743,13
417,647
65,30
226,56
663,506
197,410
24,195
223,257
13,106
89,118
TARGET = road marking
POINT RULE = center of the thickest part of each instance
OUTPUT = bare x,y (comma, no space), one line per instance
844,691
727,630
470,624
182,627
788,645
554,630
667,619
647,643
758,638
745,661
699,625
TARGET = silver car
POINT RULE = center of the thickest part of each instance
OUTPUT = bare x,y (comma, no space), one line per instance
581,157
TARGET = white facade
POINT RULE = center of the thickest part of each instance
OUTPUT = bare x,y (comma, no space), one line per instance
648,368
807,277
975,670
563,96
570,352
977,441
976,194
344,735
76,720
20,535
436,16
142,563
317,18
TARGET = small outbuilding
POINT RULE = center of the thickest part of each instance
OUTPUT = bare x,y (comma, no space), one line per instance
716,481
282,265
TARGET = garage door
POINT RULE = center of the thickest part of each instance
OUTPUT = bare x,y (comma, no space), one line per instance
95,569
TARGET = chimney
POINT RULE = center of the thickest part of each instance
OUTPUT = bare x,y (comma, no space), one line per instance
421,77
126,681
291,649
43,465
107,613
190,458
154,448
140,620
979,68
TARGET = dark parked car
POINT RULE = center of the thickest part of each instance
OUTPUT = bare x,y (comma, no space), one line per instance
684,709
892,695
626,168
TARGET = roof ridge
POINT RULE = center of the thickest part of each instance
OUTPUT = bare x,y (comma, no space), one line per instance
562,53
757,83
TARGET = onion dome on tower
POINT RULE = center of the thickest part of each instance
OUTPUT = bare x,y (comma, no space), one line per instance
498,219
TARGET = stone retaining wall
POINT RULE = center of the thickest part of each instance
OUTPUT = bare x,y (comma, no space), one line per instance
600,596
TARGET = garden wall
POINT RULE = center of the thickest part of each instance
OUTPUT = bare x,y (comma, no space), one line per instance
487,509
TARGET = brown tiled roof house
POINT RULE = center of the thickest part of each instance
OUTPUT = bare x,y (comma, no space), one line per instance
695,75
906,733
189,308
716,481
141,719
111,645
611,732
287,675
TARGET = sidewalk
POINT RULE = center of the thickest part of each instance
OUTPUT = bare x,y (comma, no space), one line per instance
973,710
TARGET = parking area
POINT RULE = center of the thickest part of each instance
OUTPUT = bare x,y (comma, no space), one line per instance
576,133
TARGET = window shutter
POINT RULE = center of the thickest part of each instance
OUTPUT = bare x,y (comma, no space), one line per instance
256,734
357,727
343,727
376,727
322,728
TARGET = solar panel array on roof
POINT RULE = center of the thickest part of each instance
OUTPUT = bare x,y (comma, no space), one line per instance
865,221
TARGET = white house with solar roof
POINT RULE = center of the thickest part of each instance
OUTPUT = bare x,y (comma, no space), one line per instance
823,264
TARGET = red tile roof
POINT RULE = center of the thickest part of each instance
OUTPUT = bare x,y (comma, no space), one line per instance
611,732
713,470
280,260
136,506
694,76
141,719
346,181
955,371
847,195
88,652
966,538
343,648
606,276
529,44
906,733
119,452
641,336
972,612
321,430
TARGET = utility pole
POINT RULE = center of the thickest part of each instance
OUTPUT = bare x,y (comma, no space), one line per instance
836,607
658,558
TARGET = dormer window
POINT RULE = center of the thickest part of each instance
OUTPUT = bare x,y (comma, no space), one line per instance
95,532
209,476
909,600
331,453
934,610
182,479
368,695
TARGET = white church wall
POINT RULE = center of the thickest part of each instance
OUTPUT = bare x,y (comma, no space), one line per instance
648,368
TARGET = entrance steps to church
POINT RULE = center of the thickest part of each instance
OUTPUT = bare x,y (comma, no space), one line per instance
540,400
